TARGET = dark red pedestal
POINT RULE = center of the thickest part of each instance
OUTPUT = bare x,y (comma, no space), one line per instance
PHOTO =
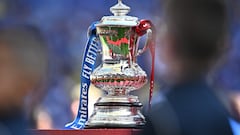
87,132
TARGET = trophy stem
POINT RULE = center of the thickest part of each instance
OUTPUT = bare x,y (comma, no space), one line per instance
118,92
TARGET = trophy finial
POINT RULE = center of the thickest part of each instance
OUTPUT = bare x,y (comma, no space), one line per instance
120,9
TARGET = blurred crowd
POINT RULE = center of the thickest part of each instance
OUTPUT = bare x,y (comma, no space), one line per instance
45,39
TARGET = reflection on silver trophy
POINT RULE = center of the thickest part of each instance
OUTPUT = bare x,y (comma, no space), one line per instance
119,73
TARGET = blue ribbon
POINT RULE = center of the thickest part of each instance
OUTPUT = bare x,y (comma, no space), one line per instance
88,64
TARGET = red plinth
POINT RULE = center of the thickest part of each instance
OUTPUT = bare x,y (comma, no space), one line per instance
87,132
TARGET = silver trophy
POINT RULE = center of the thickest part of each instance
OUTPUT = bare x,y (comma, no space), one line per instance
119,73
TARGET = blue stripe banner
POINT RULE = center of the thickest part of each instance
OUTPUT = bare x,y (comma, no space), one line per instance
88,64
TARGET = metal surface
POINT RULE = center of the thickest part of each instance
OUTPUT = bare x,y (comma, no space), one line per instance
120,17
116,116
119,72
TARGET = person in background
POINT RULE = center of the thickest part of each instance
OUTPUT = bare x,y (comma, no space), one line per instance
193,37
23,66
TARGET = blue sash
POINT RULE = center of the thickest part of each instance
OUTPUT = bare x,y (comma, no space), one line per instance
88,64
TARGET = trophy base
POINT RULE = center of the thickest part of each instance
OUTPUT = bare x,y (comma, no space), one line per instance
114,126
116,115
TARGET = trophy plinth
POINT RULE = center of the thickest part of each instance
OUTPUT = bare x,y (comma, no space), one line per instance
119,73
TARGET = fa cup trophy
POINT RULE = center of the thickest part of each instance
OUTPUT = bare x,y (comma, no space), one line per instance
118,74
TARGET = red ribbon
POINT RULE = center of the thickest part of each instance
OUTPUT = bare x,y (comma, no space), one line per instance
141,29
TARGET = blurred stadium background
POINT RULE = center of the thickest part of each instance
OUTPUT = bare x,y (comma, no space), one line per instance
64,24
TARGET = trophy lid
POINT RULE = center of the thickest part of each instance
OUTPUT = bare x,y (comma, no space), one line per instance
119,17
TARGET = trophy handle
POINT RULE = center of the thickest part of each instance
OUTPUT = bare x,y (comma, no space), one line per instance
145,27
147,43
